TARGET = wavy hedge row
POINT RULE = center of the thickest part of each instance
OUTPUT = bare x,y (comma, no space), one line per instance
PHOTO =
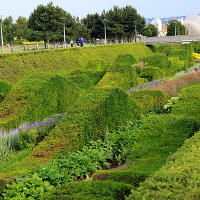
14,66
36,97
181,51
188,102
178,179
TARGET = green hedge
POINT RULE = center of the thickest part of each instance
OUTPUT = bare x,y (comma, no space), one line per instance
37,97
121,74
157,137
14,66
149,100
178,179
151,73
183,51
159,60
175,65
96,112
188,102
4,89
91,190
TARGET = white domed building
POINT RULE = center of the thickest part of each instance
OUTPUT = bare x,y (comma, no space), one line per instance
192,24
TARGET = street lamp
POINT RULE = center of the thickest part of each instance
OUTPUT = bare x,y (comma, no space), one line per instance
1,20
135,31
175,28
105,40
64,31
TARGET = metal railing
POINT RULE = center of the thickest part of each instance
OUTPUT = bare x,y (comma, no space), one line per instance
38,46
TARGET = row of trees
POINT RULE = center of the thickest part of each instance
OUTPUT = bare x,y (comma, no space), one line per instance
46,23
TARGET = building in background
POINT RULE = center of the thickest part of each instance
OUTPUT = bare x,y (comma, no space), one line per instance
192,24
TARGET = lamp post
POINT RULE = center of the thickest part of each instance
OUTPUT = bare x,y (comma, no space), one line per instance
105,33
1,20
135,31
175,28
64,31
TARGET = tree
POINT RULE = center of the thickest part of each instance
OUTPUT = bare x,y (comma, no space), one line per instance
47,22
150,31
95,24
8,30
121,22
175,25
21,29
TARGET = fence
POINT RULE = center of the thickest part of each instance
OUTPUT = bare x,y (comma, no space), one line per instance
38,46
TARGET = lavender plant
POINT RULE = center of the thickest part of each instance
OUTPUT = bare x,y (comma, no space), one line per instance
27,135
146,85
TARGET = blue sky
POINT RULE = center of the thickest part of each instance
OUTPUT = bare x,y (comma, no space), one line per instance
146,8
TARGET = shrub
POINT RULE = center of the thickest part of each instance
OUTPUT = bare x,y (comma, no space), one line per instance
37,97
175,65
4,90
125,58
188,102
151,73
159,60
178,179
27,188
149,100
91,190
157,137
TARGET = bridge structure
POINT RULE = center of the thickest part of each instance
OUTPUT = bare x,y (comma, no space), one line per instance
170,39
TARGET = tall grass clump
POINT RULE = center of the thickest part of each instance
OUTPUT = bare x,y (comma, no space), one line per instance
172,87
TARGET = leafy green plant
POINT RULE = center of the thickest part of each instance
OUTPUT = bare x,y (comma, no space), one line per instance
27,188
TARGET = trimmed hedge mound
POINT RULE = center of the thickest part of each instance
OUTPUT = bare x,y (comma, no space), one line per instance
156,138
121,74
188,102
151,73
4,90
97,111
159,60
149,99
14,66
37,97
91,190
183,51
178,179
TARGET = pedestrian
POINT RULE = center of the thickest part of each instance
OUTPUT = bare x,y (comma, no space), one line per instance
82,41
77,41
72,43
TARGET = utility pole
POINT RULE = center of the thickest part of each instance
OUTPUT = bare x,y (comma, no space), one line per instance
64,31
1,20
105,40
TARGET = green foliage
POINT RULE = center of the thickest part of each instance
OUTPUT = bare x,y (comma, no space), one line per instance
27,188
79,164
150,31
37,97
62,61
27,139
120,22
148,155
125,58
91,190
182,51
149,100
175,27
159,60
47,23
175,65
151,73
4,89
188,102
178,179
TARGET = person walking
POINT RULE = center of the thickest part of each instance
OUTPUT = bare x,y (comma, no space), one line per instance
81,41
